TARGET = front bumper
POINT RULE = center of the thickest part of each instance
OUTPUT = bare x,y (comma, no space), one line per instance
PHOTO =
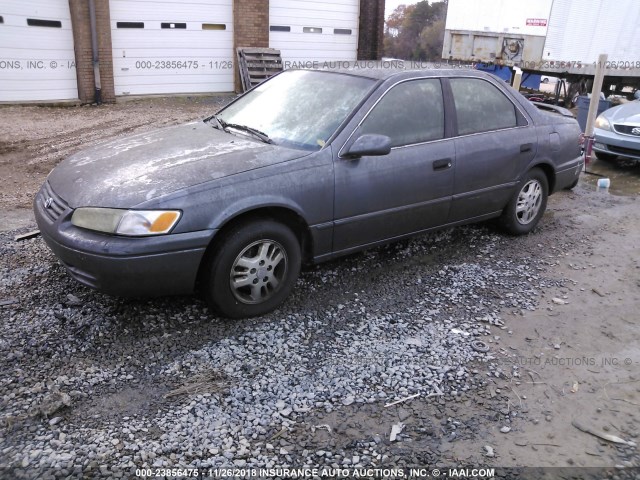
123,266
614,143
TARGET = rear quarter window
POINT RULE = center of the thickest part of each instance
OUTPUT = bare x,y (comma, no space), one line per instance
481,106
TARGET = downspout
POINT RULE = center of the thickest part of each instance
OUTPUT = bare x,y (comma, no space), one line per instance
94,51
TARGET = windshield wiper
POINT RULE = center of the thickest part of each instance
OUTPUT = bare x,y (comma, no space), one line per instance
244,128
221,123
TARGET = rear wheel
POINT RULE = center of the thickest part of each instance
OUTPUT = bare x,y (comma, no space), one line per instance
527,205
607,157
253,270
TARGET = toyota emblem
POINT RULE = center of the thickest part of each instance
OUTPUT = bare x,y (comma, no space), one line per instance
635,131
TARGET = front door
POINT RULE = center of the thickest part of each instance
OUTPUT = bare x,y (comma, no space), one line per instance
407,191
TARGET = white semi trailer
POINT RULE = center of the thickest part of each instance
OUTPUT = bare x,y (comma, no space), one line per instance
561,38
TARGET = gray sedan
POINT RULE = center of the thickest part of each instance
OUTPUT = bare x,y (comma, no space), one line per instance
307,166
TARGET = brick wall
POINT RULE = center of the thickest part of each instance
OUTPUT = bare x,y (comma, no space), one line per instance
250,28
371,36
81,24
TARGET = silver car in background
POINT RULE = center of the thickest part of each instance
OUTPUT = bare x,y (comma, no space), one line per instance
617,132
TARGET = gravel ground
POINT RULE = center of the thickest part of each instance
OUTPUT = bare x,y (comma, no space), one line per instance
93,384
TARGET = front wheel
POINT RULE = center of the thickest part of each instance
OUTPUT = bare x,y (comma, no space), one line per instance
253,269
526,207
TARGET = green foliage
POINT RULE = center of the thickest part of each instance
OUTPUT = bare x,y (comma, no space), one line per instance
416,32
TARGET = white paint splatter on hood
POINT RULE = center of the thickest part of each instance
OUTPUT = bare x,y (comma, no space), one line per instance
125,172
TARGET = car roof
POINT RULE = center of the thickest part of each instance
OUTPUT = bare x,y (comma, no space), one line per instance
386,70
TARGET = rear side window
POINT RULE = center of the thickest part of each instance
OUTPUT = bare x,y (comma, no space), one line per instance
411,112
481,106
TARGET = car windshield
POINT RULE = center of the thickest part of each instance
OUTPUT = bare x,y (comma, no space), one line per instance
298,108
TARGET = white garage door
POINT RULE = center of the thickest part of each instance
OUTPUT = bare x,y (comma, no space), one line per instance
309,30
37,61
172,46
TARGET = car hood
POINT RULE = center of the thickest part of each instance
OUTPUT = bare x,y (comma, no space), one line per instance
626,114
125,172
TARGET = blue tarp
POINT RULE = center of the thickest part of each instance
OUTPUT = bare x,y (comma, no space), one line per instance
529,80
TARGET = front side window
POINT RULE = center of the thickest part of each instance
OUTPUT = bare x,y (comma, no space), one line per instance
299,108
411,112
481,106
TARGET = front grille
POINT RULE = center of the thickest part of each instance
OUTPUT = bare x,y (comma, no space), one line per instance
626,129
624,151
52,205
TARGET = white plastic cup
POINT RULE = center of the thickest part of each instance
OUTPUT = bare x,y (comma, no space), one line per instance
604,183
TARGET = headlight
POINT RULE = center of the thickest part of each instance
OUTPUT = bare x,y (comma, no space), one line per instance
602,123
135,223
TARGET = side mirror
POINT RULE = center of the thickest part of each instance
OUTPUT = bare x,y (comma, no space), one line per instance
369,145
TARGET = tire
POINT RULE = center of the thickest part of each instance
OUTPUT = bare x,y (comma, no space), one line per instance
607,157
253,269
526,207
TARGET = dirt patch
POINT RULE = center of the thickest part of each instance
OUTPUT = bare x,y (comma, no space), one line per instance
128,401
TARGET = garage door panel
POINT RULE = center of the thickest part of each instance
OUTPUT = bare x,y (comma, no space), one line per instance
192,27
42,55
37,63
177,43
173,54
327,25
21,90
302,16
301,55
302,39
37,38
183,78
124,10
156,60
181,85
301,8
17,83
51,10
312,46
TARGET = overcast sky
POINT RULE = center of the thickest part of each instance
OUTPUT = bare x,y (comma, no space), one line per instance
390,5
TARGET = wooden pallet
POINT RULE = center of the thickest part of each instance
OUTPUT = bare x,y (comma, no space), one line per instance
257,64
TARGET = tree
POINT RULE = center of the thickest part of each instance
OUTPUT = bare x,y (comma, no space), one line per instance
415,32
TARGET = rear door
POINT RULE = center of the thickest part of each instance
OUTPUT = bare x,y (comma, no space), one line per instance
495,142
409,190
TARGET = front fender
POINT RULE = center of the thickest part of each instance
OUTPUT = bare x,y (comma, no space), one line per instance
248,204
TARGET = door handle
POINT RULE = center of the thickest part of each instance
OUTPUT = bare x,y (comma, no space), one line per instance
442,164
526,147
